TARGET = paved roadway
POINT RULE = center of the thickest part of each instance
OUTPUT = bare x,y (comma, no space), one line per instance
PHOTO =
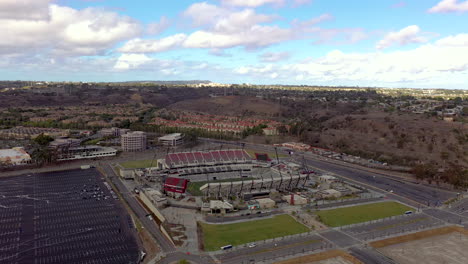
339,238
449,217
392,226
274,249
164,243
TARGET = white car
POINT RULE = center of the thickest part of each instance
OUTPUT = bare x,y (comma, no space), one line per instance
251,245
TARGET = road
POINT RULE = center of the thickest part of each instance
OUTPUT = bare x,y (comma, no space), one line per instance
275,249
149,225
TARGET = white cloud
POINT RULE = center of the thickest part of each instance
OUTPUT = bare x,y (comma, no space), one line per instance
242,20
203,14
297,3
446,6
274,56
67,31
460,40
131,61
253,38
407,35
222,28
252,3
152,46
158,27
24,9
429,64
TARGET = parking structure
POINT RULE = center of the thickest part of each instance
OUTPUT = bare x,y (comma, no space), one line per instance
64,217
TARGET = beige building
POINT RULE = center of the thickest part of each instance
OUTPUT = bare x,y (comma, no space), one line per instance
133,141
14,156
266,203
295,199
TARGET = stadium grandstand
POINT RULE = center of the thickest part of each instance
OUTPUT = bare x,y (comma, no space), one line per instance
254,187
215,163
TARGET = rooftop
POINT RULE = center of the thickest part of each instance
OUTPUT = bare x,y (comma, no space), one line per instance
173,136
6,153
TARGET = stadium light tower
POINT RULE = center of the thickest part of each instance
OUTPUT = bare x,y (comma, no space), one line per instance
276,151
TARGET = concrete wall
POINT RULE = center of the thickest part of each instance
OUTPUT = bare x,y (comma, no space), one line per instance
150,205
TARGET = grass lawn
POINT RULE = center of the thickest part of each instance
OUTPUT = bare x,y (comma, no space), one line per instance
361,213
194,187
216,236
271,155
135,164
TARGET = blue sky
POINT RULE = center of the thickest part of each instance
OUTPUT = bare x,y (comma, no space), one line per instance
389,43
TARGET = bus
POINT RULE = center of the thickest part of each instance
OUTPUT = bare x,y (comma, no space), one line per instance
226,247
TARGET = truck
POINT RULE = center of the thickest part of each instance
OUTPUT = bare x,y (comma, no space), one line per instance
85,167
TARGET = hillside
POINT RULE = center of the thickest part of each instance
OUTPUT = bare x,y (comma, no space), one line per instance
230,105
394,138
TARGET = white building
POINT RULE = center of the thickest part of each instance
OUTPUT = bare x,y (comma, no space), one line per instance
113,132
14,156
133,141
174,139
87,152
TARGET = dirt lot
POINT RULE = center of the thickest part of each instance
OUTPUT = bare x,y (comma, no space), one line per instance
337,260
327,257
447,248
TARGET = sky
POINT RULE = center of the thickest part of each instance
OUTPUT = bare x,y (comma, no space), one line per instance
385,43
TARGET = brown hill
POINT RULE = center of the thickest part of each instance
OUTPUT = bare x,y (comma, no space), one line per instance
230,105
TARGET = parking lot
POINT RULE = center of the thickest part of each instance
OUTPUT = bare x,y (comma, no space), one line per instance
392,226
63,217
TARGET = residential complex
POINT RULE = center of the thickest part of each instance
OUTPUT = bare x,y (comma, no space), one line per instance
218,123
20,132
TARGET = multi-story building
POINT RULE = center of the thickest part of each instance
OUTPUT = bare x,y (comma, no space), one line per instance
113,132
133,141
86,152
174,139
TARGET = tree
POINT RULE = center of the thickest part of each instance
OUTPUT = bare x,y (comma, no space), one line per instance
424,171
43,140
